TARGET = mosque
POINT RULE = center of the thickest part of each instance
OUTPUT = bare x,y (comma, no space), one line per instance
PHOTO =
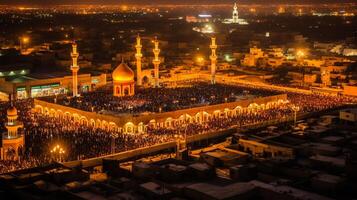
235,17
123,75
123,81
124,85
13,143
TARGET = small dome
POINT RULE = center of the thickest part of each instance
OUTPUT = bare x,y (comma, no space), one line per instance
123,73
12,111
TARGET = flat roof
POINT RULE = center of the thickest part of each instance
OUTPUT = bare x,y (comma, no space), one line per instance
222,192
290,191
38,76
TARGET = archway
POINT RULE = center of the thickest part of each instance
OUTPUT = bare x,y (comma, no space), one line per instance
67,115
141,127
92,123
152,123
168,122
112,126
59,114
52,112
105,125
84,121
145,81
98,124
198,117
129,128
46,112
216,114
39,109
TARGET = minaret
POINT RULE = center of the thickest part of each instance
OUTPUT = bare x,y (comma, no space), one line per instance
138,57
12,142
156,62
213,58
74,69
235,17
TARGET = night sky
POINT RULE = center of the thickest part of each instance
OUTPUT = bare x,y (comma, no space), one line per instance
49,2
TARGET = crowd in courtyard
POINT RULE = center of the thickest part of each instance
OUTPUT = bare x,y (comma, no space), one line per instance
161,99
42,132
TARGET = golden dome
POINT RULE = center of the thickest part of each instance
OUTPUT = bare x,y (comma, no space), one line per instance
12,111
123,73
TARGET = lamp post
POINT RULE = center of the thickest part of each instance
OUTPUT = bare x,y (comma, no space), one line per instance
295,109
300,55
24,41
58,152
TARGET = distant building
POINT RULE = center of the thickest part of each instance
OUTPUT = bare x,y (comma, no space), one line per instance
250,60
38,85
349,115
235,18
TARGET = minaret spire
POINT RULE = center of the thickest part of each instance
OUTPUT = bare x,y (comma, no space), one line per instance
235,16
156,62
213,58
74,69
138,57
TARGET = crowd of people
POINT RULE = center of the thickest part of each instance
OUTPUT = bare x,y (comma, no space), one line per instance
43,132
165,99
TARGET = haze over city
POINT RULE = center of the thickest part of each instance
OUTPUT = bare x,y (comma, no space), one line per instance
153,2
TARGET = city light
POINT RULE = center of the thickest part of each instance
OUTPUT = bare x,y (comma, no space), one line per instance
25,39
300,53
96,97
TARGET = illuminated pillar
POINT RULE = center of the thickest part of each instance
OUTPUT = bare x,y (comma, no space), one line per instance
213,58
235,16
138,57
156,62
74,69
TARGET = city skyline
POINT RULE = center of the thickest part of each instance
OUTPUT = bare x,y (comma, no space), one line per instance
154,2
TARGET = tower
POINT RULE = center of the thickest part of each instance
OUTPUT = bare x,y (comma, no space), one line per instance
235,17
13,142
156,62
74,69
213,58
138,57
325,77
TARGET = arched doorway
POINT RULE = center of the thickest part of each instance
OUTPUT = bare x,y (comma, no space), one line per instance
145,81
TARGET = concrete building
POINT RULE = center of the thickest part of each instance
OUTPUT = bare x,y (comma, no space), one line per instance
38,85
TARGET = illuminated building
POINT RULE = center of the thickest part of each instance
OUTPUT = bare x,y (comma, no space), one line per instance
325,77
123,81
206,29
156,62
202,18
235,17
38,85
12,142
213,58
74,69
138,57
251,59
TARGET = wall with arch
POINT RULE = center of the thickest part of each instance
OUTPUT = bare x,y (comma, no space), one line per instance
139,124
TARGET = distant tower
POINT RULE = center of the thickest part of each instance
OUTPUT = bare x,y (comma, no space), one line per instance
325,77
156,62
213,58
235,17
138,57
74,69
12,142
